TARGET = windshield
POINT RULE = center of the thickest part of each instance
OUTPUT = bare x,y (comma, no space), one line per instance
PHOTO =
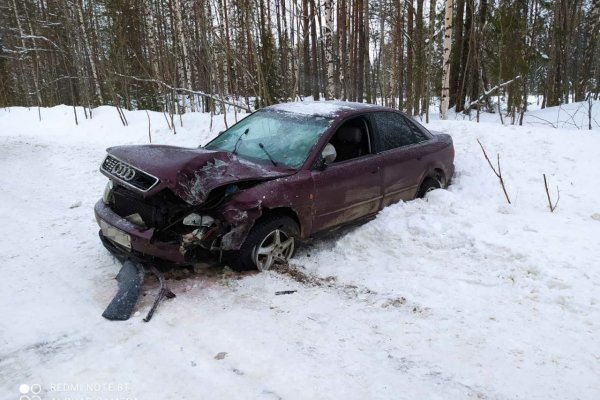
280,138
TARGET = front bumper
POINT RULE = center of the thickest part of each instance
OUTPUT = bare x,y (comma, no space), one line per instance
133,241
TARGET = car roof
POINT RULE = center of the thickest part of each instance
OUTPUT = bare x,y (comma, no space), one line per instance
328,109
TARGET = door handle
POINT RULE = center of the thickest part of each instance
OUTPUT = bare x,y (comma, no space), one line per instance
376,170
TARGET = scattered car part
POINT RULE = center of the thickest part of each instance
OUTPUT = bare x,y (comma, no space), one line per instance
130,279
279,293
162,292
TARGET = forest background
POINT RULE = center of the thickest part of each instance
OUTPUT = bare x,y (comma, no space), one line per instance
179,56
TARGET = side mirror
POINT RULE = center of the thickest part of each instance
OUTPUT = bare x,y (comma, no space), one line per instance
328,154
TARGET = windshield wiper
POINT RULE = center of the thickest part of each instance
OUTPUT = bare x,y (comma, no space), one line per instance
239,140
262,146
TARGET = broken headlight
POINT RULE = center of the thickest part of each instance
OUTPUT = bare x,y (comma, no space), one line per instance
203,235
107,196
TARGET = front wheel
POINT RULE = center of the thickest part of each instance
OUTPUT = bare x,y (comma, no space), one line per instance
271,242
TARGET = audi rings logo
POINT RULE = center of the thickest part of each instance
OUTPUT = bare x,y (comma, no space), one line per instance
123,171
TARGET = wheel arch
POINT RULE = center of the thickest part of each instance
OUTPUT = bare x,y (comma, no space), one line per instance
281,211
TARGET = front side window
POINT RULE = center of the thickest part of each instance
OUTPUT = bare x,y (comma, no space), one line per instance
395,130
282,138
351,140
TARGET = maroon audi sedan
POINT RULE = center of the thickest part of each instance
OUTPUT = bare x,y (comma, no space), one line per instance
276,177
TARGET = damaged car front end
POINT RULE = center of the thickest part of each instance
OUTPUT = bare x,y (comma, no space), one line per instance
155,222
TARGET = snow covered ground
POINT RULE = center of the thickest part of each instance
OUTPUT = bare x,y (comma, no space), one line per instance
459,296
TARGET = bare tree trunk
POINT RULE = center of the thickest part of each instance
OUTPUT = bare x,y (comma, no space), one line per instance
446,60
410,46
150,32
329,91
90,55
456,43
365,49
231,79
465,70
307,82
394,43
429,62
313,51
360,59
419,59
35,59
186,69
381,59
588,57
23,45
401,41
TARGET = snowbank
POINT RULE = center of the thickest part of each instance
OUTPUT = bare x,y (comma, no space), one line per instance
453,297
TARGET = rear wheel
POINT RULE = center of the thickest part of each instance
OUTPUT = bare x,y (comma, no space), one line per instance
427,186
271,242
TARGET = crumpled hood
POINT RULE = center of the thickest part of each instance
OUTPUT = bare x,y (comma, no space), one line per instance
193,173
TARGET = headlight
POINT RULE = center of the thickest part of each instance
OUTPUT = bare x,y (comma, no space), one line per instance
107,196
198,220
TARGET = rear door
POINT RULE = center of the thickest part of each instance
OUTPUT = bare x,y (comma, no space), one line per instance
401,146
349,189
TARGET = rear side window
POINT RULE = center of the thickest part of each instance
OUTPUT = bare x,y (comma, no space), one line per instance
394,130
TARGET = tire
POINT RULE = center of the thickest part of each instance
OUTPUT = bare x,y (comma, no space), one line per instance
427,186
254,253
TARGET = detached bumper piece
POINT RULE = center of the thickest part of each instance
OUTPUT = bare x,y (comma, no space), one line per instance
130,279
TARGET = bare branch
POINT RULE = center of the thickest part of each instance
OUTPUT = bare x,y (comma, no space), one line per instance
550,205
498,172
179,90
34,37
542,119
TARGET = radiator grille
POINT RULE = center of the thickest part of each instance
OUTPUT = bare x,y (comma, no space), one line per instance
128,174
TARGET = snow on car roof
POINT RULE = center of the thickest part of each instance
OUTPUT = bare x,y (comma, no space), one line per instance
319,108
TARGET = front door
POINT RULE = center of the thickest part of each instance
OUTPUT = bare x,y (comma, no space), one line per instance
350,187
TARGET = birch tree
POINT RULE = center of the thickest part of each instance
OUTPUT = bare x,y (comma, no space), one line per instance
329,91
446,59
